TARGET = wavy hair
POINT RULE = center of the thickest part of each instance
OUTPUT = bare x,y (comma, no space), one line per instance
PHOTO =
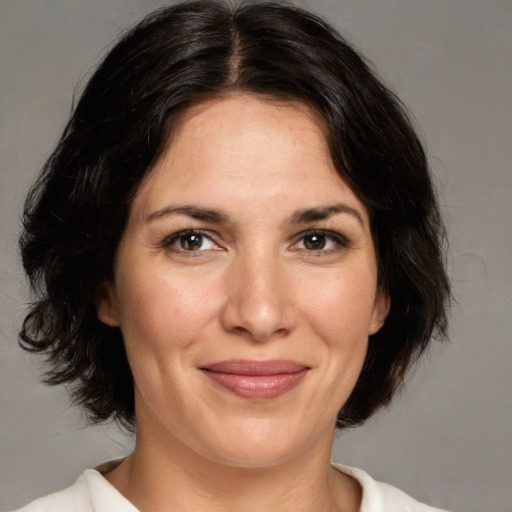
76,211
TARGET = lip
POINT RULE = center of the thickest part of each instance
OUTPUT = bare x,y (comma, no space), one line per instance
256,380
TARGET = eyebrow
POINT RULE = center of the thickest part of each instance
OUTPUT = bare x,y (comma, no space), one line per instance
219,217
195,212
315,214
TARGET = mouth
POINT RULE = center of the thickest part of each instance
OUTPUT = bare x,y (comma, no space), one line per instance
256,380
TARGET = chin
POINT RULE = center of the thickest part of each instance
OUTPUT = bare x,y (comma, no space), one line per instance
255,456
262,444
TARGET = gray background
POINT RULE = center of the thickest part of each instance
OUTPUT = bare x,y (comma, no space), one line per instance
447,438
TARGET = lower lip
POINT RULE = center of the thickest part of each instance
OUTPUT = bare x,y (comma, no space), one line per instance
257,387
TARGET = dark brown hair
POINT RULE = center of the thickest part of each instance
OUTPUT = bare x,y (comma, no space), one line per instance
76,211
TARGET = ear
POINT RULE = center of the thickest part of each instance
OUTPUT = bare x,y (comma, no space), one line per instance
380,310
104,300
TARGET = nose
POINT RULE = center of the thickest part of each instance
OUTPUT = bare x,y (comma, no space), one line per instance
259,302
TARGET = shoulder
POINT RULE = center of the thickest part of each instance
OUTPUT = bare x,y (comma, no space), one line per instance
382,497
74,498
90,493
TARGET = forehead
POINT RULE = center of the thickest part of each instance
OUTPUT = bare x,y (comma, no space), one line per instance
246,151
240,121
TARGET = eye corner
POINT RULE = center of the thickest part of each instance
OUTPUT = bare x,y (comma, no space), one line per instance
320,241
198,241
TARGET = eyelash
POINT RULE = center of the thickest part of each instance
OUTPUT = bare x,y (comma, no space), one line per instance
327,236
170,240
337,238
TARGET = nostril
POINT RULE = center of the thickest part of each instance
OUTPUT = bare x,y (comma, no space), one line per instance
258,332
258,304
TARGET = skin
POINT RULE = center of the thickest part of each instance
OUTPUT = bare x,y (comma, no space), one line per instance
253,287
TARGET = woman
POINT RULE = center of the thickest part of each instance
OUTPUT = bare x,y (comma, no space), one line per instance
235,248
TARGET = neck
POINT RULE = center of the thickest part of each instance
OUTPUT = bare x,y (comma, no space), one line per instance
160,479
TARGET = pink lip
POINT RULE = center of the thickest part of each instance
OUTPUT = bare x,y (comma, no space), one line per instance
256,380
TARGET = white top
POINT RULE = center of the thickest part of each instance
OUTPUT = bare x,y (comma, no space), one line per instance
93,493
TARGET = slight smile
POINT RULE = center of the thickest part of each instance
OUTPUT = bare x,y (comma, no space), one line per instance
256,380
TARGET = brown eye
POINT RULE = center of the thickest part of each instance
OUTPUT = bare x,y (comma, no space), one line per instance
191,242
321,241
314,242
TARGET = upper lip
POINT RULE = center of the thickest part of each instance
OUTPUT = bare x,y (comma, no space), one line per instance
251,367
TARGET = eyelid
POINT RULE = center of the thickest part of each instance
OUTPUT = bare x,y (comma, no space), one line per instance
168,241
340,239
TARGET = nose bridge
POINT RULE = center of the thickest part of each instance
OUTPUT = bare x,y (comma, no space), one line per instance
258,304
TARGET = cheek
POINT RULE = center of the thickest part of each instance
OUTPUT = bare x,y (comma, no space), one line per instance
341,308
160,313
338,315
161,319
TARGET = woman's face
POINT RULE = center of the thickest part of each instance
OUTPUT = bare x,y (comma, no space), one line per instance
245,286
